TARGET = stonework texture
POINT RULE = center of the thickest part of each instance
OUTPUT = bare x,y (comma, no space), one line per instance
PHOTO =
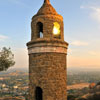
48,71
48,25
47,56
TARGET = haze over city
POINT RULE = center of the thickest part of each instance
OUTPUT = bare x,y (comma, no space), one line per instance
82,29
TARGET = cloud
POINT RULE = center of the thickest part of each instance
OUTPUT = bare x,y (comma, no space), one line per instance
95,53
94,12
79,43
2,37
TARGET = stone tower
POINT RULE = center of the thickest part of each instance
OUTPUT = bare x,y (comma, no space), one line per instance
47,56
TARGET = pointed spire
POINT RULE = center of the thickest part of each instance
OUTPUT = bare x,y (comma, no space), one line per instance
47,1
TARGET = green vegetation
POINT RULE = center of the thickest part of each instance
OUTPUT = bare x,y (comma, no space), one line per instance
86,93
6,59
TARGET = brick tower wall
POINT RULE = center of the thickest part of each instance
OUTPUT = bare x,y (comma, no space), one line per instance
48,71
47,56
48,25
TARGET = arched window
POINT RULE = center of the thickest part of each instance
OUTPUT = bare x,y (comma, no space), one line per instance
57,30
38,93
39,30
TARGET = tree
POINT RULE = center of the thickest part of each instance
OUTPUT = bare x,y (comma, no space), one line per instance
71,97
6,59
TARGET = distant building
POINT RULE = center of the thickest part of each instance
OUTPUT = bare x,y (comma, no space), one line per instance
15,87
92,85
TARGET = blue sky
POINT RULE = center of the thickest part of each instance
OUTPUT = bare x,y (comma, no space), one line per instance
82,29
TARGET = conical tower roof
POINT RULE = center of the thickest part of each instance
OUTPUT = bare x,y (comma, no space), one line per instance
47,8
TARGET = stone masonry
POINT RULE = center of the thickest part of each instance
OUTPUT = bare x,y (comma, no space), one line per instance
47,57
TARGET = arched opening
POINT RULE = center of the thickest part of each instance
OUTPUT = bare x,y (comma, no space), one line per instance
38,93
57,30
39,30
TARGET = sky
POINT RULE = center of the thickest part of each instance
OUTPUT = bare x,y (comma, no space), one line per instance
81,29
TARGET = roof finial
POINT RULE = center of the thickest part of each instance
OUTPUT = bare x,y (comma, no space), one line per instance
47,1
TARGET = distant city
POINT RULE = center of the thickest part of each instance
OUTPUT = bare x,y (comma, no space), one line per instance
14,82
